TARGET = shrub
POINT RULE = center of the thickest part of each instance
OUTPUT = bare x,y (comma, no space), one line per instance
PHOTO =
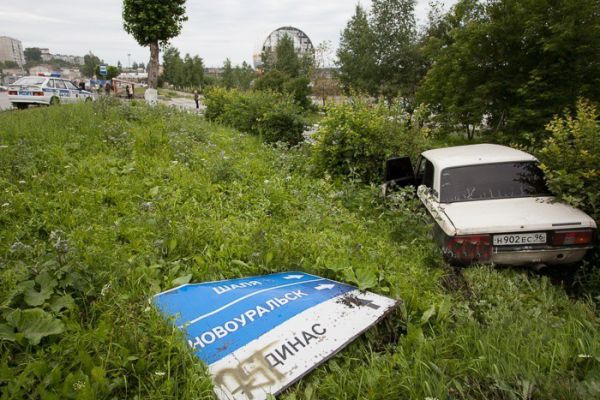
570,158
280,82
275,117
283,121
356,138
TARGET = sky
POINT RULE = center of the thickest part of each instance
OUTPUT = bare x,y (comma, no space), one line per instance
215,30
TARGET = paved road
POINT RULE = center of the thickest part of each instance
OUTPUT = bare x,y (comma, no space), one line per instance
182,103
4,103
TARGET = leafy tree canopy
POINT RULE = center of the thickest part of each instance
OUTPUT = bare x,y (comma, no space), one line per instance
153,21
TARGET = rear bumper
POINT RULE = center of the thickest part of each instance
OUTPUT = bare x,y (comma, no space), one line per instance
554,256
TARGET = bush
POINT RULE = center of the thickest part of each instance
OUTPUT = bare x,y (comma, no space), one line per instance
273,116
280,82
356,138
570,158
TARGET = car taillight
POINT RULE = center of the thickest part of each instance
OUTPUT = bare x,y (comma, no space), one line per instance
37,93
469,248
562,238
12,92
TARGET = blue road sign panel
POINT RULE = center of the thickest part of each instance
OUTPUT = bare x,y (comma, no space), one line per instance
279,326
103,69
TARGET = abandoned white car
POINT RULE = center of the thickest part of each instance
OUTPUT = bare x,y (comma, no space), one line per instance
490,204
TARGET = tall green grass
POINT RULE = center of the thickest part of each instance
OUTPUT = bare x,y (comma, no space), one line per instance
103,205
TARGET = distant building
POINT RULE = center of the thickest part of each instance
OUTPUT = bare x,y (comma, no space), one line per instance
302,43
47,56
215,72
11,50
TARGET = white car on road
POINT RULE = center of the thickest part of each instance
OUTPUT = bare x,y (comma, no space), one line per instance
490,204
45,90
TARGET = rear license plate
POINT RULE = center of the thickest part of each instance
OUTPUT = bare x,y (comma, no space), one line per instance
24,93
520,239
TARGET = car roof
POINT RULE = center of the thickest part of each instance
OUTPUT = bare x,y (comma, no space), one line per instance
475,154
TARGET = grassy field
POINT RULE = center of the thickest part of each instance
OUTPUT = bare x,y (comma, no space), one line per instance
103,205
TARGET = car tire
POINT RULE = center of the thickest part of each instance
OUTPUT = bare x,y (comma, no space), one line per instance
54,101
22,106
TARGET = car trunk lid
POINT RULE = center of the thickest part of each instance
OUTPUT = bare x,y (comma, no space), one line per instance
528,214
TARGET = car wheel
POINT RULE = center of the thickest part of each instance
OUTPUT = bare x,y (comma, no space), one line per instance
22,106
54,101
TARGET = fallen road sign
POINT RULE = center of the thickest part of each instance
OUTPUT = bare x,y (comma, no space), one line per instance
261,334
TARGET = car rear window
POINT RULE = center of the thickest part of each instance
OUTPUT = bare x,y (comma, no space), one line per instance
492,181
29,81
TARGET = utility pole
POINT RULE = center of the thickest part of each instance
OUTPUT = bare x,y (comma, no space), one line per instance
128,60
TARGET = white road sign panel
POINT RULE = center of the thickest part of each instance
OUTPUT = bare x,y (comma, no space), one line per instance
259,335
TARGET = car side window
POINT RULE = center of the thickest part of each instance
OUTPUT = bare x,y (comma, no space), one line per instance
425,172
59,84
70,85
50,83
428,173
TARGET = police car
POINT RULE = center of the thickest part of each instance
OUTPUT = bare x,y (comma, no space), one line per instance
45,90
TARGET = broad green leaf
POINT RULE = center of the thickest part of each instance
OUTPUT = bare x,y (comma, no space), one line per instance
7,332
34,298
58,303
182,280
46,281
366,278
35,324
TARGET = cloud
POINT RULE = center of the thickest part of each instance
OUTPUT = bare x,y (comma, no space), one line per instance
214,30
25,17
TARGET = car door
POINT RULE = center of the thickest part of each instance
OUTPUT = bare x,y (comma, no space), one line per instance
61,91
73,92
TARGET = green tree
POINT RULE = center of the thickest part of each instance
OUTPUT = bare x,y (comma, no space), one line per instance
90,63
455,85
32,54
173,69
286,58
227,78
111,72
395,29
356,55
134,65
152,24
570,157
518,62
10,64
243,76
197,72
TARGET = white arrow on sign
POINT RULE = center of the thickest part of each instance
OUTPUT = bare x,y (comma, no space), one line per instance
322,287
293,277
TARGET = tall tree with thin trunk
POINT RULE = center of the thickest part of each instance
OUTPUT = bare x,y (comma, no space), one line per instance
153,23
395,28
356,55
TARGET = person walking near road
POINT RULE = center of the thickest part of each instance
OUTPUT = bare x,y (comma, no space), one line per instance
197,99
107,88
128,90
